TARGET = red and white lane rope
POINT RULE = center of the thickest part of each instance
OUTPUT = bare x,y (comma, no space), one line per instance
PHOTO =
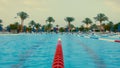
58,61
109,40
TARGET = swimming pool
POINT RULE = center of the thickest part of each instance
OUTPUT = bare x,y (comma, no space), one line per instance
37,51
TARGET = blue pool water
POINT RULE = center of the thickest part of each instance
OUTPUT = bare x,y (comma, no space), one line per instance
37,51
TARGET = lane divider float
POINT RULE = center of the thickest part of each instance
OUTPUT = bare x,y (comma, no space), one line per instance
109,40
58,61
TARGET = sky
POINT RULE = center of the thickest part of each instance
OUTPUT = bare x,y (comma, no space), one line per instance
39,10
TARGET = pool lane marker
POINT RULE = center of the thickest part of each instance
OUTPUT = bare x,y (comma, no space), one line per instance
97,60
58,61
106,39
109,40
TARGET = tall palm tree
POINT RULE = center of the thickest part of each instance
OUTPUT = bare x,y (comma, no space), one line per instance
101,17
69,20
50,20
37,25
87,21
23,16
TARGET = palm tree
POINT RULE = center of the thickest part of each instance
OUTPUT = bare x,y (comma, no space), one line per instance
93,27
110,25
101,17
29,29
87,21
57,26
0,21
37,25
24,28
69,20
1,25
23,16
8,28
50,20
32,23
81,28
16,23
48,27
61,29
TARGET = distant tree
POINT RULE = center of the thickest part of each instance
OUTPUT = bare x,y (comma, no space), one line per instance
94,27
1,25
32,23
23,16
17,23
1,28
37,25
48,27
69,20
87,21
72,26
101,17
50,20
57,26
110,26
8,28
116,27
13,28
61,29
24,28
0,21
81,28
76,29
43,28
29,29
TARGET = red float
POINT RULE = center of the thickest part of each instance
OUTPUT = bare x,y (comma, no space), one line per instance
117,41
58,61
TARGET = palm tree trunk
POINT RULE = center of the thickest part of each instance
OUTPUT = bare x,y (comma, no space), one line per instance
100,26
21,25
49,29
69,26
87,26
